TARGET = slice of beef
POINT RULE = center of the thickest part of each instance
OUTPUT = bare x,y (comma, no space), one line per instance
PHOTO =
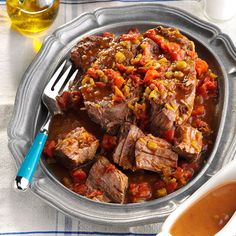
78,147
124,152
105,177
106,57
186,90
161,119
177,84
104,111
188,142
155,154
109,115
84,53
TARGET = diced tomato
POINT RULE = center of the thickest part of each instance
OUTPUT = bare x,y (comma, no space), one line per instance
119,81
188,173
198,110
49,148
150,75
80,189
201,66
64,100
129,37
115,77
146,49
92,72
100,84
140,190
192,54
178,174
171,187
194,166
109,142
159,184
183,164
94,193
136,79
168,135
69,99
110,168
207,87
156,38
144,69
174,50
108,34
76,99
78,176
120,67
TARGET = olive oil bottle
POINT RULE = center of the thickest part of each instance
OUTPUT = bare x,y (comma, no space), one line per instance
32,15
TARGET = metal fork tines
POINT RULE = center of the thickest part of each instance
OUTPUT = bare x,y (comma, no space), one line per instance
59,82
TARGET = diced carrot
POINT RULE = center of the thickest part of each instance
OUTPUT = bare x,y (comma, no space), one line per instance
201,66
150,75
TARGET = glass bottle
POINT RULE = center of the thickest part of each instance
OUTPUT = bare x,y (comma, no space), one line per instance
32,15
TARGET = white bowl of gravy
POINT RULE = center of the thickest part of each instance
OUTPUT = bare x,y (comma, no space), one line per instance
208,210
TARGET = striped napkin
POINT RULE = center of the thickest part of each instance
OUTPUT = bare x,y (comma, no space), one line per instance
25,213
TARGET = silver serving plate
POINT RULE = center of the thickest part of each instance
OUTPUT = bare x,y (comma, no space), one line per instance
29,113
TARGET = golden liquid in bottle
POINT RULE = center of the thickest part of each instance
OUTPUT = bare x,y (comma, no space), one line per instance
32,15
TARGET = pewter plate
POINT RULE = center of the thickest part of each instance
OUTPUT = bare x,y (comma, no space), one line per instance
29,113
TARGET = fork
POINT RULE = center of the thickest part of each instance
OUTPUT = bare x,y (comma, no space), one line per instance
52,90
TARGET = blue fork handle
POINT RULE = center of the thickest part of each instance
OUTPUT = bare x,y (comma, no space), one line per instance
26,172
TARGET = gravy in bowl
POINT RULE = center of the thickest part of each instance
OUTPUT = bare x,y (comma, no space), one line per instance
209,214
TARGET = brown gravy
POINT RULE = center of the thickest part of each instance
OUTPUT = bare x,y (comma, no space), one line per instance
209,215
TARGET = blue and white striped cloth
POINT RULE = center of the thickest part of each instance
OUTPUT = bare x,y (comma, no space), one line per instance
24,213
